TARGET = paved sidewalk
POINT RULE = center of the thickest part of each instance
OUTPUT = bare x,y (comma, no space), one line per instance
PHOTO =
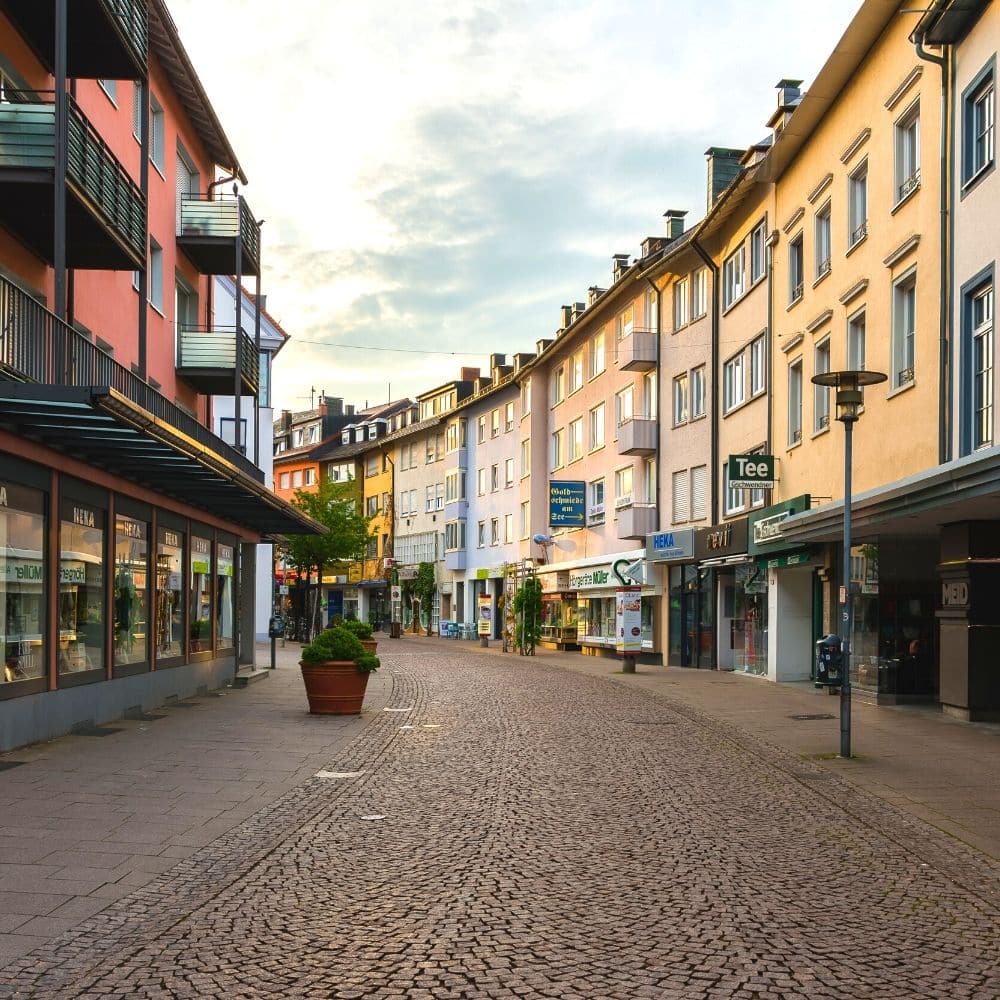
86,820
937,768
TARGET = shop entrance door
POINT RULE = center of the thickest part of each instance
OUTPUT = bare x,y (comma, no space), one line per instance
692,618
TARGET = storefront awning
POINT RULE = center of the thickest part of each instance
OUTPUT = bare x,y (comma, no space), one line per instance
967,489
99,426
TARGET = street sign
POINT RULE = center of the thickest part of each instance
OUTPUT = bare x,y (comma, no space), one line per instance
396,593
750,472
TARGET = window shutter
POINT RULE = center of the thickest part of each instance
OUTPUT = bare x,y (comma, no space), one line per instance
680,496
699,484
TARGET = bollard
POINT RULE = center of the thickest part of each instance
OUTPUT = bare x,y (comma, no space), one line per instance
274,642
628,665
484,641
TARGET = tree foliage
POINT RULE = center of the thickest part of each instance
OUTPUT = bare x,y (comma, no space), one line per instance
528,609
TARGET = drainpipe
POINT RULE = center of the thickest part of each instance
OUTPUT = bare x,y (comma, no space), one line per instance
716,291
659,398
947,196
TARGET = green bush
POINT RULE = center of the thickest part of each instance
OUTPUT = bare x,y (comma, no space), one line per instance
369,663
333,644
361,629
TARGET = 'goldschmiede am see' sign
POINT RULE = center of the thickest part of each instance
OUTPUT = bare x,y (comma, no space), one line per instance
567,503
750,472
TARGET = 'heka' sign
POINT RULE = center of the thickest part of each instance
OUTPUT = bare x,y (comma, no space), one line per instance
750,472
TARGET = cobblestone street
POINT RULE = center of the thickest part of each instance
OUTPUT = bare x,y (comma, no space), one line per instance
503,827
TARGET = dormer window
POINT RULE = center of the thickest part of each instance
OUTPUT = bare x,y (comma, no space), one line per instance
372,432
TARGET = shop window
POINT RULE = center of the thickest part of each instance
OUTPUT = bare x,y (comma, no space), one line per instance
22,550
200,609
169,620
131,591
224,607
81,588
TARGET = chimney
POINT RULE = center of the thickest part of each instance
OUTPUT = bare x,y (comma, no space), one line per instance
593,294
567,315
540,345
481,383
723,169
789,98
496,360
350,410
675,221
521,359
651,245
619,265
578,310
501,372
469,374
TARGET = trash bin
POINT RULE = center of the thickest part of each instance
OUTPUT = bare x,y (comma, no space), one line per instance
276,628
395,628
829,661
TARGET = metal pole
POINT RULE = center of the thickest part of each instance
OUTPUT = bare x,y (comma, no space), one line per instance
273,641
848,609
256,343
61,161
238,362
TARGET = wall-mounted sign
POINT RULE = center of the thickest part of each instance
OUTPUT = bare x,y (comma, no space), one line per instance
407,572
750,472
721,540
766,527
567,503
670,546
584,579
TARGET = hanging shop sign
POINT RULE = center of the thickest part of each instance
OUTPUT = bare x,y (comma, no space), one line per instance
750,472
721,540
567,503
628,620
670,546
407,572
766,525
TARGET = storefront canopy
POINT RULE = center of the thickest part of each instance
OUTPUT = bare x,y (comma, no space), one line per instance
101,427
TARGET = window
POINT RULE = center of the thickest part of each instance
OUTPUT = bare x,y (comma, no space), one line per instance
508,469
495,423
857,205
823,246
110,87
982,367
596,355
494,477
508,417
494,531
157,149
623,487
821,393
597,423
698,392
733,277
699,293
155,275
454,484
310,477
576,371
681,293
372,432
595,505
455,435
758,366
371,506
481,482
907,136
227,431
626,321
525,518
650,383
454,535
735,500
758,252
297,479
481,429
699,493
681,511
733,387
557,450
680,395
651,318
623,406
904,324
297,437
978,114
525,398
649,480
312,434
481,538
428,499
508,527
558,385
526,457
795,402
439,496
576,439
795,268
856,342
284,478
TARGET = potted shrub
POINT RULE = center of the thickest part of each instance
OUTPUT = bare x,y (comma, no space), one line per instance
335,669
363,631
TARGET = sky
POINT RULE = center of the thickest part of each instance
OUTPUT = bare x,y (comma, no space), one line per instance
437,179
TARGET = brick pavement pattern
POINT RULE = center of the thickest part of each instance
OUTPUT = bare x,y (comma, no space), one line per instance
521,831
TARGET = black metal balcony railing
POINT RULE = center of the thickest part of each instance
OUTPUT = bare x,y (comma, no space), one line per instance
132,20
205,220
859,233
213,350
96,177
36,346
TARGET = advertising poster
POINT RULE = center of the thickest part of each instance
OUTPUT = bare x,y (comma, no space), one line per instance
485,615
628,620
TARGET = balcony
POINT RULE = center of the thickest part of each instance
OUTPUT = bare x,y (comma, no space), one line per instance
637,353
105,210
637,437
455,560
206,359
637,521
211,228
36,346
106,39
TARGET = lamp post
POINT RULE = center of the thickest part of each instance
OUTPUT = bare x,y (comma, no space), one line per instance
849,400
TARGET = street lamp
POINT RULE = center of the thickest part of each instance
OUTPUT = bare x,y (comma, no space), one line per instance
849,400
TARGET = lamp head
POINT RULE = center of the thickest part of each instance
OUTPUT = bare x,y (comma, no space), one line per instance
849,385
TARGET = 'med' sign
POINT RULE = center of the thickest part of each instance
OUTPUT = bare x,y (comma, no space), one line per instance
750,472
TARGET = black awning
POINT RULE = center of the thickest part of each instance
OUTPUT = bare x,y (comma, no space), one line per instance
104,429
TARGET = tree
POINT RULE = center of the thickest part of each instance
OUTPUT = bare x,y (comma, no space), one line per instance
422,587
335,506
528,609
